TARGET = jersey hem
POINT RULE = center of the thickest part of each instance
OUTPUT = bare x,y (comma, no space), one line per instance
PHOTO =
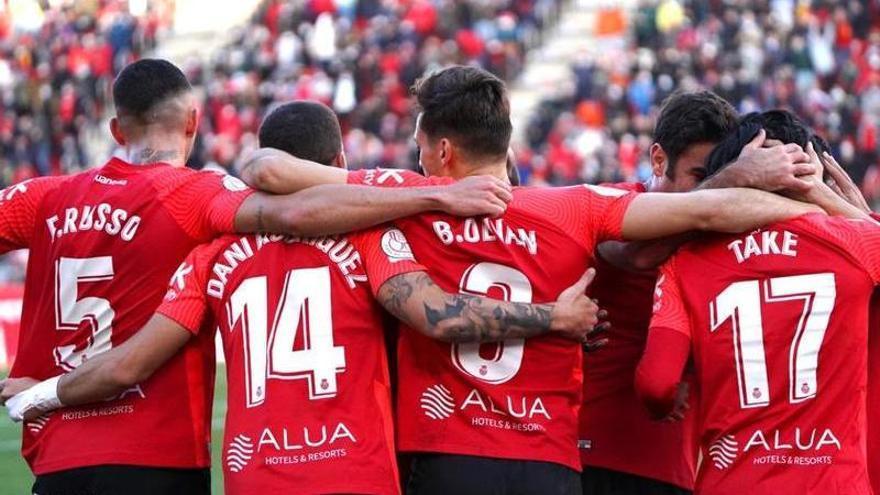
113,459
652,476
414,447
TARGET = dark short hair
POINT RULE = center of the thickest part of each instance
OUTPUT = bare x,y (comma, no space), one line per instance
142,85
781,125
689,118
306,129
467,105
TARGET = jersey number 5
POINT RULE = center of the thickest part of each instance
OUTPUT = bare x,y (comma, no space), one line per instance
740,303
71,312
305,301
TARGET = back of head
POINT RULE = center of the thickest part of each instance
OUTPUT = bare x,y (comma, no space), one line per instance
305,129
143,91
780,125
689,118
469,106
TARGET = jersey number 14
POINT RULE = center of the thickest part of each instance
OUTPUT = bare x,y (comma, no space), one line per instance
304,302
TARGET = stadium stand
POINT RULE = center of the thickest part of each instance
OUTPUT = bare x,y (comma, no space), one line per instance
55,69
819,58
380,49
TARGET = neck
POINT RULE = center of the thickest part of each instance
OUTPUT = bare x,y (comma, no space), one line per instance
498,170
156,150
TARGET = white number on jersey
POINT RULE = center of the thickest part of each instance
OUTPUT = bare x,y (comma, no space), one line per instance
740,303
507,360
70,312
305,301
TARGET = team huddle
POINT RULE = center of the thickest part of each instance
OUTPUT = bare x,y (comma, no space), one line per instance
706,331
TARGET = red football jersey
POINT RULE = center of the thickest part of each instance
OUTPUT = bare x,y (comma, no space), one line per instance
778,324
517,399
309,405
103,244
616,431
874,391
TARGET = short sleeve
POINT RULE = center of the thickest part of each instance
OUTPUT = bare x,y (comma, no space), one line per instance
592,214
390,177
19,205
204,204
669,309
386,254
861,238
186,301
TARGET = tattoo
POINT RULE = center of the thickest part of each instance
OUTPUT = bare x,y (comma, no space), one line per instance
149,155
414,298
260,227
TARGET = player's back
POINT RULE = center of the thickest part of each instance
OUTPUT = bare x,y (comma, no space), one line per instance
778,321
104,244
309,405
518,399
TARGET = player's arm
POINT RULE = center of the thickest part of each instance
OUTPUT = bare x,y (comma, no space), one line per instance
18,211
641,255
277,172
416,300
734,210
333,209
659,372
102,377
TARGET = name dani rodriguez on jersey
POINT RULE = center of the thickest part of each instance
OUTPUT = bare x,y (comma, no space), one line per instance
339,249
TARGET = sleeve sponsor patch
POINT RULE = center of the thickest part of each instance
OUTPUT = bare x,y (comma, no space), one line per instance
396,247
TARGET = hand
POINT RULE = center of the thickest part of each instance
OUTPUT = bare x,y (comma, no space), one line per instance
843,183
476,196
576,316
774,168
13,386
681,404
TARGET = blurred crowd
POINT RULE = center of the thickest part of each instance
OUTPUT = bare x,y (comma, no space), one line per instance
819,58
358,57
57,61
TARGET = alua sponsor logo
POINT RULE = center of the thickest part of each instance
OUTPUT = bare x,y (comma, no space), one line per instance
437,402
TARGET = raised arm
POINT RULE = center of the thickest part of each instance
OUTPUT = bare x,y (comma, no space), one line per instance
416,300
102,377
734,210
277,172
333,209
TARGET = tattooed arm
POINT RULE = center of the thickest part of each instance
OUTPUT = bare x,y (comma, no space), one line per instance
416,300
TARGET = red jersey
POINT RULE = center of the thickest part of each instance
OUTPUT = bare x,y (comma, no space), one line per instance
616,431
102,246
778,324
516,399
309,405
873,413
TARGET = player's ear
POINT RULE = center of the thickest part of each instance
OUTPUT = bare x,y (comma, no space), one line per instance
339,161
116,131
445,152
659,160
192,122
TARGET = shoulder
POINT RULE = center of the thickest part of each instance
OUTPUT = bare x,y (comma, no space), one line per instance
637,187
391,177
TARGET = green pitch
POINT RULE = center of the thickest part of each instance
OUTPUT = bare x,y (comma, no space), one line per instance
16,478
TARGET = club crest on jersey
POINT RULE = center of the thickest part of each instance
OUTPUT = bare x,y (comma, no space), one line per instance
394,246
234,184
